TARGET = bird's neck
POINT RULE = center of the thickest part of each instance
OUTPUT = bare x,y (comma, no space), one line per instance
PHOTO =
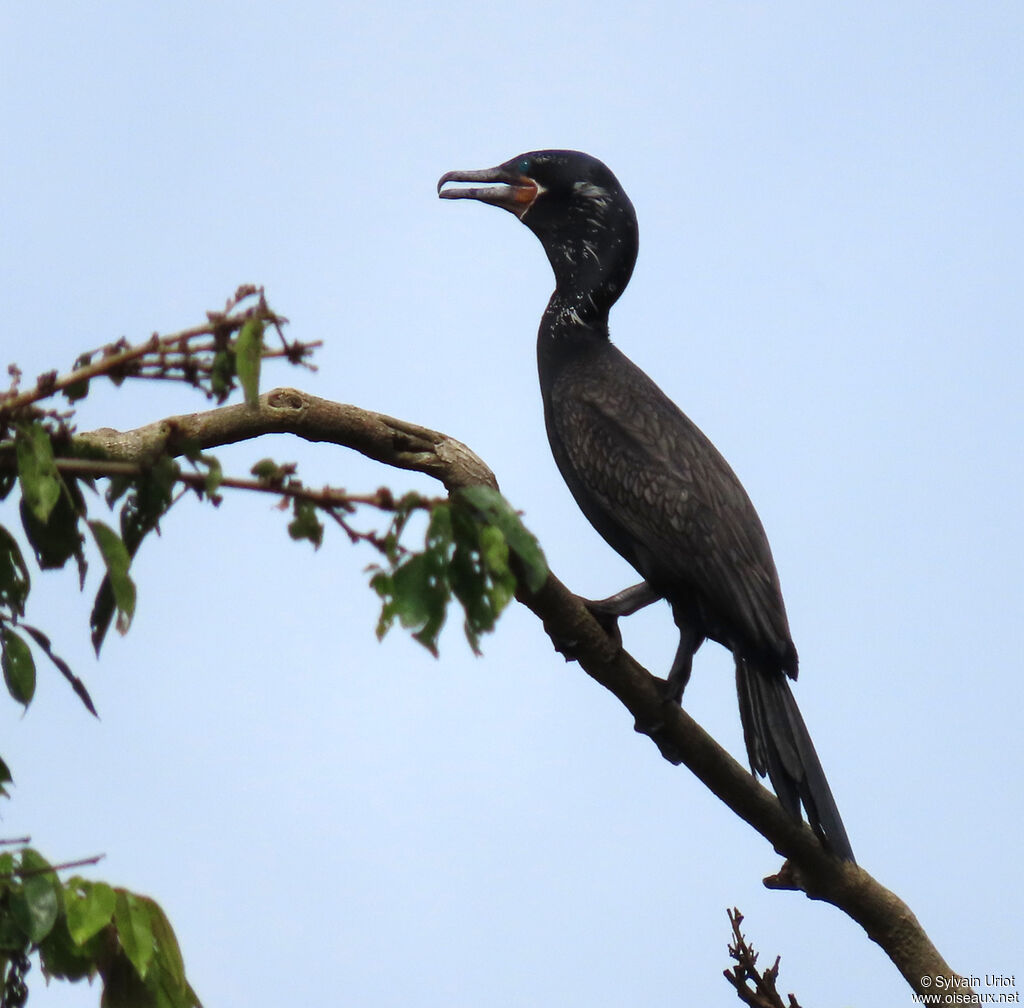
572,327
574,315
592,262
592,252
588,283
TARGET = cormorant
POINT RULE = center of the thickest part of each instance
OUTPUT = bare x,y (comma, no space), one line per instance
646,477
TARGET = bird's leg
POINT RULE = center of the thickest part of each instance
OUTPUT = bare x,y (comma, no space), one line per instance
624,603
607,612
682,664
678,676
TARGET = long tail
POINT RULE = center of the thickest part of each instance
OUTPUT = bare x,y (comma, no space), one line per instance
779,745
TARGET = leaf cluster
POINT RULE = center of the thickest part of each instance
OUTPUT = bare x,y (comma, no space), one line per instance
81,929
54,518
476,549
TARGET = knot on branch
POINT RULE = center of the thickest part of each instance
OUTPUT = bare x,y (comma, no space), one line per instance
286,399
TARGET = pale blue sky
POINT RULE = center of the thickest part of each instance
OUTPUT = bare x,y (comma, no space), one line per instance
829,284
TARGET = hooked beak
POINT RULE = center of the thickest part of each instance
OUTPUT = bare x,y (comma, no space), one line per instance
512,192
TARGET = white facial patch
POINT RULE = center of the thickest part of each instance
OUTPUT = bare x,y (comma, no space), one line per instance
592,192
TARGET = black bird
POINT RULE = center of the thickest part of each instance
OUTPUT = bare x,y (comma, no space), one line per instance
645,476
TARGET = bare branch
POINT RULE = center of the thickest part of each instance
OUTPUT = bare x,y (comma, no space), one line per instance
809,867
764,993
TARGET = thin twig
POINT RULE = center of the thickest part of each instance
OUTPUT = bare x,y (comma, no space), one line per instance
326,497
26,872
764,993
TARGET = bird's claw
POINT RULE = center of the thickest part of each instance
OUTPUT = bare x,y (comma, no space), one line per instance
566,648
608,619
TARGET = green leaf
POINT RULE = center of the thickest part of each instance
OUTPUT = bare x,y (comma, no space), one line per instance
482,576
269,472
150,494
381,584
248,355
306,524
19,667
134,929
123,988
12,937
35,905
14,578
77,390
115,556
214,472
60,957
440,531
222,374
214,475
5,778
484,498
494,554
57,539
149,497
493,549
88,907
475,548
417,593
498,512
102,613
414,601
43,643
122,985
168,952
40,481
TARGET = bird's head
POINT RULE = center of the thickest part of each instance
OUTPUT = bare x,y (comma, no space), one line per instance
574,205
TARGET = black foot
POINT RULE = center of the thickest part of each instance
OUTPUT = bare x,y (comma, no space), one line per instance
624,603
566,648
656,732
607,617
672,693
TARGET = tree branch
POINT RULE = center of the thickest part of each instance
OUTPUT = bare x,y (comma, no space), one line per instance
764,993
287,411
809,868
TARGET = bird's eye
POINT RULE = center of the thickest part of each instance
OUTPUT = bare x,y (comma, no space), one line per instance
524,166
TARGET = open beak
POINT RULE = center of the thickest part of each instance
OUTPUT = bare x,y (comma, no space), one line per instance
510,191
